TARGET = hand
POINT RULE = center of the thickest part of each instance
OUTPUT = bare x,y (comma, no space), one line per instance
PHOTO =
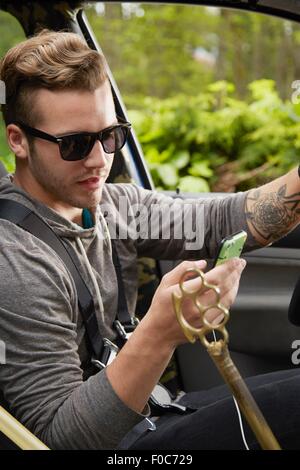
161,315
142,360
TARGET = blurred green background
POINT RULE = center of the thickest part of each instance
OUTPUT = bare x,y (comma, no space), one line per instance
208,90
11,34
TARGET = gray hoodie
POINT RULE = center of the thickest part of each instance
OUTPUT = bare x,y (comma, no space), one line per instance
41,326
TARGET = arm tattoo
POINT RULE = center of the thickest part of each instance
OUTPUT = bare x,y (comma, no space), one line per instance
274,214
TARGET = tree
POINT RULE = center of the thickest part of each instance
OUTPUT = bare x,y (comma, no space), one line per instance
152,49
11,34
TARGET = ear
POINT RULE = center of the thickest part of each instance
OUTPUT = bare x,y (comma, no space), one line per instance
17,141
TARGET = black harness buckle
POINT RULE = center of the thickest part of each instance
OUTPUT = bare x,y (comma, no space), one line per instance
109,352
162,401
125,330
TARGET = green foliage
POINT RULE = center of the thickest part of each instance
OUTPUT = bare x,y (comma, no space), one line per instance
162,50
11,34
150,51
215,141
9,162
198,120
200,124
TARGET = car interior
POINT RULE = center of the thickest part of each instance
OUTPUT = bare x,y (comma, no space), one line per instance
260,333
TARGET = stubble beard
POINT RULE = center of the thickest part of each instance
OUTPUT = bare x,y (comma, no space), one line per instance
55,188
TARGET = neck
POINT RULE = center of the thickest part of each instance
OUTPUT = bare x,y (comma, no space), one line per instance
73,214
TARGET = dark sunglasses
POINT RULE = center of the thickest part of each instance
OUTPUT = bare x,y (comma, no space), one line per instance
78,145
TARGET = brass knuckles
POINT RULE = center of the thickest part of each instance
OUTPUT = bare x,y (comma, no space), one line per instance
190,331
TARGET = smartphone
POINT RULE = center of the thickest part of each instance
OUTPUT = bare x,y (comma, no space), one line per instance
230,247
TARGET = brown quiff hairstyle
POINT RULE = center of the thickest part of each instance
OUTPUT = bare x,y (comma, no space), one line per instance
50,59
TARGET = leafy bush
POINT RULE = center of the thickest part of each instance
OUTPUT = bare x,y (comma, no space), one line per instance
216,142
213,141
9,162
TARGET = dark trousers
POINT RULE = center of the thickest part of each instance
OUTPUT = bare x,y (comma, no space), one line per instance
215,425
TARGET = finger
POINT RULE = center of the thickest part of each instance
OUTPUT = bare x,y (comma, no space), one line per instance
228,291
215,315
227,288
229,297
195,318
173,277
227,283
222,276
220,272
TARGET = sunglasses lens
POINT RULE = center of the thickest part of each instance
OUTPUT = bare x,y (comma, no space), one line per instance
76,147
114,139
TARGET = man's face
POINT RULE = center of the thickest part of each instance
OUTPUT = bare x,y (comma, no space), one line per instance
50,179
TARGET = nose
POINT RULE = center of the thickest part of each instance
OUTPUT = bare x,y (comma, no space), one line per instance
97,158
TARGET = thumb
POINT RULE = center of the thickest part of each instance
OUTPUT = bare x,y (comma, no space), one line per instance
173,277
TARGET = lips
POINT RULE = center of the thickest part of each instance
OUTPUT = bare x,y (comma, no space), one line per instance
90,183
93,179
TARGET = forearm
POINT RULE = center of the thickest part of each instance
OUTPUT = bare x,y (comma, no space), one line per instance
139,366
273,209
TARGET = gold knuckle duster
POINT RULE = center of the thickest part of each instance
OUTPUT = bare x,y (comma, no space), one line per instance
218,350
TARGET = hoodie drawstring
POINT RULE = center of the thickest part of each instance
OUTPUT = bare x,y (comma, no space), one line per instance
92,276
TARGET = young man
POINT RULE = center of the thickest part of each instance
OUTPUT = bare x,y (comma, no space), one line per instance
58,97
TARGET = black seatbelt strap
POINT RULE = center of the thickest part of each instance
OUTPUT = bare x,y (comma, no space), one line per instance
123,314
33,223
125,324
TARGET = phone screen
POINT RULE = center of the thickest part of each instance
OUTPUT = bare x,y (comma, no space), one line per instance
231,247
